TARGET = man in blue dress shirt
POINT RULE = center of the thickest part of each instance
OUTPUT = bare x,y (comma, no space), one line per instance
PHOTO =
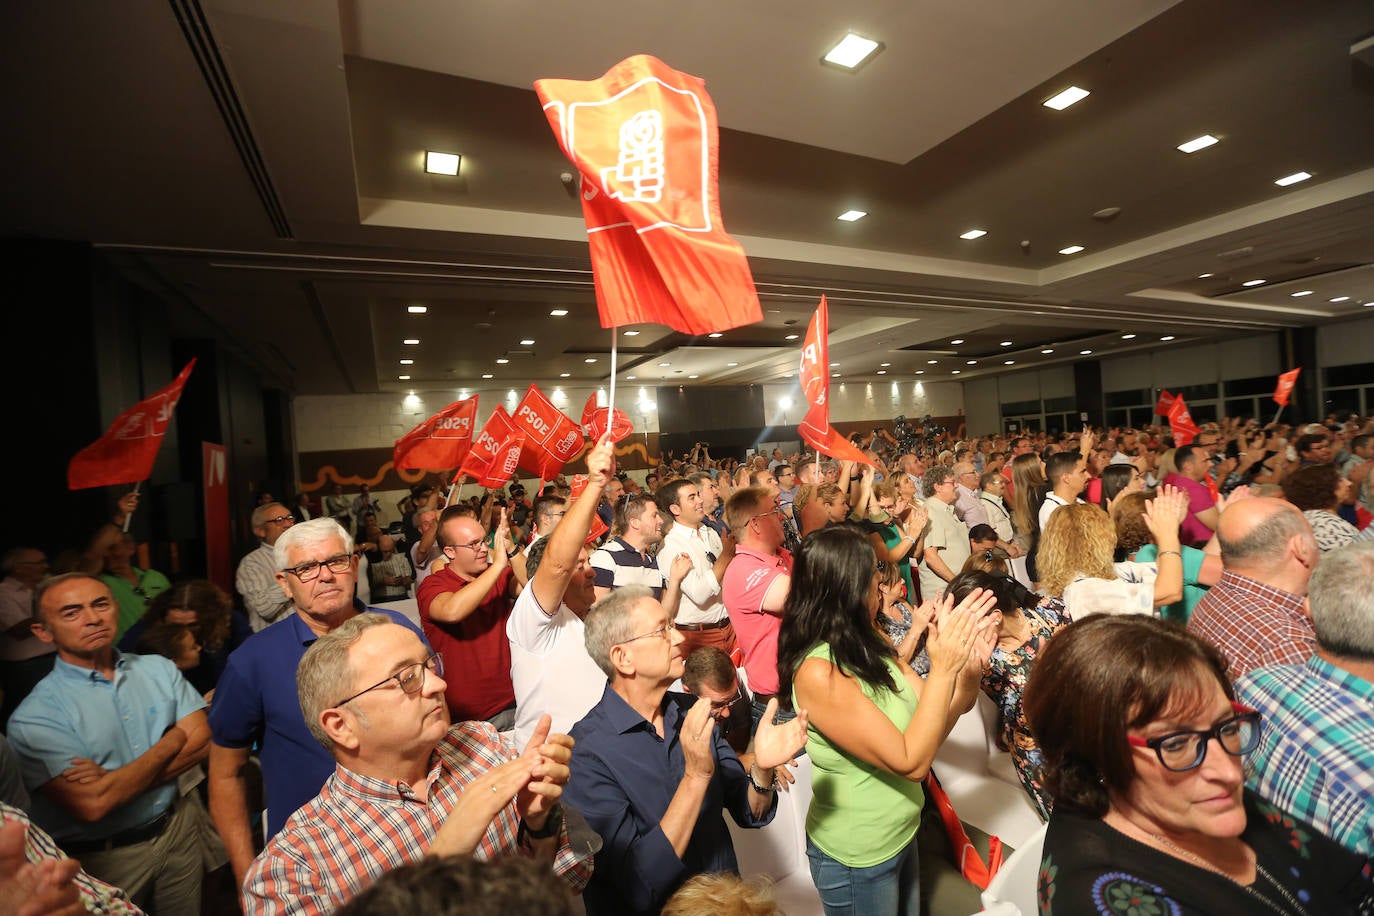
648,770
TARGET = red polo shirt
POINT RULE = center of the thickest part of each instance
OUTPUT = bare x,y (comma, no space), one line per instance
475,650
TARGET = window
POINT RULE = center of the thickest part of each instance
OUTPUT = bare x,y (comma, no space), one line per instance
1132,398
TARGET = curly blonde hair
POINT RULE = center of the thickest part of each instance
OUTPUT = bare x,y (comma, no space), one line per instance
723,895
1078,540
1128,515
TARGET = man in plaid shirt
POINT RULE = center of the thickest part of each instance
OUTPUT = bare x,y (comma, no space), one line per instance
406,783
1316,754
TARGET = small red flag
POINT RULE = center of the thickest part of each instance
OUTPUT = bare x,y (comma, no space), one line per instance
1286,382
439,443
125,454
1165,400
578,484
502,466
594,422
644,137
814,376
551,437
486,445
1181,422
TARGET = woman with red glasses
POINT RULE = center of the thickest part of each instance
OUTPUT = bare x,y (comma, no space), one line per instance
1144,749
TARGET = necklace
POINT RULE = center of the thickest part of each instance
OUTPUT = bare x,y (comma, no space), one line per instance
1249,889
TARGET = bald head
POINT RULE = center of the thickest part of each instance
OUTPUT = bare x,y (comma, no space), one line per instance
1256,533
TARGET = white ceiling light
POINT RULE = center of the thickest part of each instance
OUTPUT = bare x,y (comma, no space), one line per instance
403,378
1197,143
715,334
502,361
407,362
694,376
882,372
569,375
631,377
527,342
972,362
1048,350
1010,362
1072,249
1339,299
589,359
931,362
852,216
957,340
664,365
973,234
791,337
1066,98
1167,337
1252,282
955,372
784,402
558,313
1286,180
417,309
834,375
834,365
631,333
884,365
1006,343
731,365
411,341
1203,276
1300,293
920,372
1128,337
486,375
1084,352
437,163
851,50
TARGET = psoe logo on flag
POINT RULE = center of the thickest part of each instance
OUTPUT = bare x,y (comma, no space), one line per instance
452,428
512,459
568,444
137,425
639,169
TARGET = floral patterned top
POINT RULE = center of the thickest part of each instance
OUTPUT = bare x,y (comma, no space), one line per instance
1089,867
1005,681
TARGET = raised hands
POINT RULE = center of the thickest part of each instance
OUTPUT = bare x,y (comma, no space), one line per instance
776,744
547,757
601,461
956,628
1166,512
698,739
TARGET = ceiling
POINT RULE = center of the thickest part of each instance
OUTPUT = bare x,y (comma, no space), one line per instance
260,164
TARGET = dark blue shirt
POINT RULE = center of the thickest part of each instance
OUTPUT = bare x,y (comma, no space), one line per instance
623,778
256,703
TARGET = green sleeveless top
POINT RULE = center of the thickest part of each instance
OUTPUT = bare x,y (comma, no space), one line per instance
862,815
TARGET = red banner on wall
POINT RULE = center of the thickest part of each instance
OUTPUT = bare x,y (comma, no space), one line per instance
219,565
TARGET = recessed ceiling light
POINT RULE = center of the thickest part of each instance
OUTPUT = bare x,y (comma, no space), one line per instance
1286,180
834,375
631,377
851,50
1167,337
884,365
527,342
486,375
851,216
1252,283
664,365
417,309
404,378
589,359
920,372
1339,299
631,333
1066,98
931,362
694,376
972,362
407,362
1300,293
957,340
1203,276
411,341
1084,352
1010,362
558,313
973,234
791,337
502,361
1006,343
715,334
955,372
441,163
1048,350
1197,143
1128,337
1072,249
569,375
882,372
834,365
731,365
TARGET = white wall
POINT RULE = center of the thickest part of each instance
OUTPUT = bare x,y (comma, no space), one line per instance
1346,343
982,406
1201,364
857,401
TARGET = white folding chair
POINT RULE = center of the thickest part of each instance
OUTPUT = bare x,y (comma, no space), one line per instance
1015,882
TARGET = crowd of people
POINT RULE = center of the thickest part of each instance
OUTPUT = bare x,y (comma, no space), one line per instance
559,699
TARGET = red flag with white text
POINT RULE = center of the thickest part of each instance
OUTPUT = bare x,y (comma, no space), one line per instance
551,437
1286,382
1181,422
486,444
644,137
503,463
598,528
594,422
1165,401
125,454
439,443
814,377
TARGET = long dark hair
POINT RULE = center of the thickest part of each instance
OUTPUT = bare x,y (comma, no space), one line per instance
828,603
1115,478
211,605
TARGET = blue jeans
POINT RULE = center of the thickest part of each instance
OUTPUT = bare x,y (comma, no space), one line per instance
890,888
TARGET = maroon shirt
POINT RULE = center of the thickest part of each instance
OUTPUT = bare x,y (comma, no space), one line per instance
475,650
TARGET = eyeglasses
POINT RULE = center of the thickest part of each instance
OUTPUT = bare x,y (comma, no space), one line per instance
474,546
279,520
1185,750
725,707
411,678
661,631
775,510
310,570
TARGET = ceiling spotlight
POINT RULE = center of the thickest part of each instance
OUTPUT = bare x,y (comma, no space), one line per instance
1167,337
589,359
852,216
417,309
486,375
1252,282
569,375
957,340
664,365
1048,350
1010,362
1072,249
1286,180
1339,299
1006,343
1084,352
884,365
1300,293
404,378
972,362
558,313
716,334
834,365
502,361
694,376
851,51
1066,98
931,362
955,372
407,362
631,377
631,333
1203,276
1128,337
973,234
442,163
411,341
527,342
920,372
731,365
882,372
1197,143
791,337
834,375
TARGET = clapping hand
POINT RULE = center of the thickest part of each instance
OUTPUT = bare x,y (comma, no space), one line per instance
776,744
547,757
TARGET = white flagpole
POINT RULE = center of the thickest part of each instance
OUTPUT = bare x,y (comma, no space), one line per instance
129,516
610,400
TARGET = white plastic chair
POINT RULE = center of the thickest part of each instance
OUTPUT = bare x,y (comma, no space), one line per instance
1015,882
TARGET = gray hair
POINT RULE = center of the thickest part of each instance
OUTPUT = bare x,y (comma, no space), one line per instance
936,476
261,514
325,675
1266,541
315,531
608,623
60,579
1342,602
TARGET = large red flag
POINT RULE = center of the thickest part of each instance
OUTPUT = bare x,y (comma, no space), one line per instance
1286,382
598,528
1165,401
125,454
439,443
594,422
644,138
486,445
1181,422
551,437
501,468
814,376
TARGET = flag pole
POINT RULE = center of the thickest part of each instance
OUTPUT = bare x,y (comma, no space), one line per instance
129,516
452,488
1277,412
610,400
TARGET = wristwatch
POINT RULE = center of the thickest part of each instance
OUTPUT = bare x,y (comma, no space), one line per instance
552,825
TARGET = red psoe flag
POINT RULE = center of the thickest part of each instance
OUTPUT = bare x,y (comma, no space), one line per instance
439,443
1286,382
1165,401
551,437
814,376
125,454
486,444
594,422
504,461
1181,422
644,137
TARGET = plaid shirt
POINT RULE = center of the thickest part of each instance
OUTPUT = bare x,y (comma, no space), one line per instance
359,827
1254,624
1316,756
96,896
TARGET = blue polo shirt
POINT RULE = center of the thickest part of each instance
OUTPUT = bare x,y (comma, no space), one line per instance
77,712
623,776
256,703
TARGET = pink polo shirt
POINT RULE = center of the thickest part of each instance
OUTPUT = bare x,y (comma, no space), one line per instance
746,582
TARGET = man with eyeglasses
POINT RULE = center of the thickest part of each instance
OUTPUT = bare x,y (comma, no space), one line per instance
256,578
407,782
255,699
650,772
464,608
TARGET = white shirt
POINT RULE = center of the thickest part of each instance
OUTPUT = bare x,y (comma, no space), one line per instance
1047,508
549,667
1132,592
701,601
256,581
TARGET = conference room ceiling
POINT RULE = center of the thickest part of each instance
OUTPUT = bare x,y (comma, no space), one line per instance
261,163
